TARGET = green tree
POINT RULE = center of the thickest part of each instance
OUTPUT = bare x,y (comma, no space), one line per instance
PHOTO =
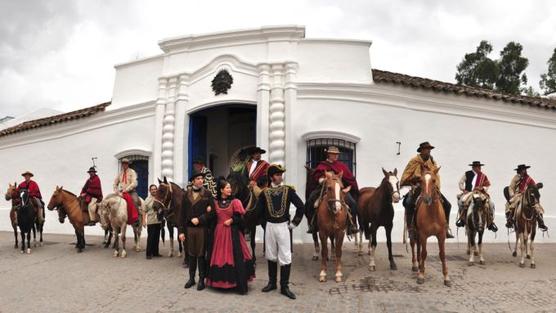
529,91
548,80
511,68
477,69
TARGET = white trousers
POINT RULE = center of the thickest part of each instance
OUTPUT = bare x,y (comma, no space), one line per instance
277,243
92,207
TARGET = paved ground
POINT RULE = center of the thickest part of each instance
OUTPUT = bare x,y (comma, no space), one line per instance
54,278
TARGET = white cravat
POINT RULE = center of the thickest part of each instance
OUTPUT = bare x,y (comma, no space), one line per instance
253,166
474,181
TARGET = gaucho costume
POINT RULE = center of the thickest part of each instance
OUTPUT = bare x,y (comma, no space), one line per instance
231,264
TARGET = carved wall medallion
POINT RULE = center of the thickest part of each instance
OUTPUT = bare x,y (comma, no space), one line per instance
222,82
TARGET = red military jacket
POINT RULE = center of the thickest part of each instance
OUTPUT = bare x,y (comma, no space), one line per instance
33,188
92,189
336,167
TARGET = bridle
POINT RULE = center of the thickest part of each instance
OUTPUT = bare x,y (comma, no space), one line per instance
167,197
332,201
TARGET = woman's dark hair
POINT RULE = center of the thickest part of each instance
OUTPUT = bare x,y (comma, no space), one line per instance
152,186
221,182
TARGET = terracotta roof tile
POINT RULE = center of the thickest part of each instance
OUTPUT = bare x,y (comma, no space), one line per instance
380,76
55,119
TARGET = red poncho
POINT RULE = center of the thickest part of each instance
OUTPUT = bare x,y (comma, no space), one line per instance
32,187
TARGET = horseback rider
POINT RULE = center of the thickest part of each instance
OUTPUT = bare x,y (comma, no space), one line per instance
412,176
517,187
474,180
34,194
91,194
331,164
124,185
199,166
273,207
256,167
196,207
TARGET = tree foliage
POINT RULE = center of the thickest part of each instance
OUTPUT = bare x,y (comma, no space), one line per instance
548,80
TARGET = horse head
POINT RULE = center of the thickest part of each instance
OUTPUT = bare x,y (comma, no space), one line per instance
393,183
56,198
335,192
428,184
163,197
532,194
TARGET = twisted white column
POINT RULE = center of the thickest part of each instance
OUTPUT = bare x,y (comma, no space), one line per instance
277,123
168,127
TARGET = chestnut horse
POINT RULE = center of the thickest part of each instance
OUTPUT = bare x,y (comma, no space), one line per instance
332,215
376,209
12,195
169,198
429,221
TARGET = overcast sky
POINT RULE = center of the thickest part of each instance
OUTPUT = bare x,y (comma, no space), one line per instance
60,54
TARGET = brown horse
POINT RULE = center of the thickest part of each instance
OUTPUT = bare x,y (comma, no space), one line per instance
526,223
11,194
429,221
332,215
169,198
376,209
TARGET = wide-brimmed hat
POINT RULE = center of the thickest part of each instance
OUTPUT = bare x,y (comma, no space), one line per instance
476,163
27,173
195,175
425,145
521,167
274,169
126,160
253,150
92,169
333,150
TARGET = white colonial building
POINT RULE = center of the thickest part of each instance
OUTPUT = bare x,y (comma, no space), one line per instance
292,96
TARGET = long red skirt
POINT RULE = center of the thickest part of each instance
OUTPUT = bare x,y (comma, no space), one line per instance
132,214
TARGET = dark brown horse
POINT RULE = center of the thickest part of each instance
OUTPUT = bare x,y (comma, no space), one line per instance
169,197
375,210
526,223
429,221
332,215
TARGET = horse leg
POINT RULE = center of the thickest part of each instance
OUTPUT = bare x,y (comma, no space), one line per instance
422,254
472,248
317,246
171,235
442,255
116,246
122,237
523,244
532,249
372,265
40,233
29,242
332,247
393,266
414,267
35,234
324,256
22,241
16,245
480,244
339,241
514,254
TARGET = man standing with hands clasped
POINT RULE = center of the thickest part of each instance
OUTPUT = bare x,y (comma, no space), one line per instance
197,205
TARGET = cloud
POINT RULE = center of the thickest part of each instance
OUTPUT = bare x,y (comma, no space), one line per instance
60,54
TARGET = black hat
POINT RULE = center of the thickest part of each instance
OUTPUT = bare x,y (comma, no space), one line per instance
521,167
476,163
424,145
253,150
275,169
92,170
196,174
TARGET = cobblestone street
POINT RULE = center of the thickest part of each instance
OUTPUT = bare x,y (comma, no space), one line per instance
54,278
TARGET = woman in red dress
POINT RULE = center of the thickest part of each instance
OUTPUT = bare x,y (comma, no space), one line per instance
231,264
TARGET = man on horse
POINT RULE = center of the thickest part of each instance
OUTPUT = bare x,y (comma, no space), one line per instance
256,167
517,187
34,194
199,166
196,206
412,176
332,164
125,184
91,194
273,207
474,180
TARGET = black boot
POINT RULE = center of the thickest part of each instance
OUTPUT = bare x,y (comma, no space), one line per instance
192,270
285,280
540,220
460,222
492,227
272,273
202,272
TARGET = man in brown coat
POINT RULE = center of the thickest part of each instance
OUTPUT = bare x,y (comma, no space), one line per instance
197,205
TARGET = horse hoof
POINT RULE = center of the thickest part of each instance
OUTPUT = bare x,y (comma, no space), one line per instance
322,279
414,269
514,254
79,250
115,254
124,254
482,262
470,263
179,254
137,249
22,252
533,265
448,283
528,256
28,251
420,280
372,268
338,279
315,258
393,267
522,265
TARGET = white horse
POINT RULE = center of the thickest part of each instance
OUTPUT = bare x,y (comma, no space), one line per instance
113,217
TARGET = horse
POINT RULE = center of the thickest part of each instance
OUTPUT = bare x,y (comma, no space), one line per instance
526,223
476,220
430,220
112,211
376,209
11,194
68,205
332,215
26,216
169,198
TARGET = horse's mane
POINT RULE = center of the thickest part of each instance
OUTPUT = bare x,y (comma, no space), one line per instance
71,193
